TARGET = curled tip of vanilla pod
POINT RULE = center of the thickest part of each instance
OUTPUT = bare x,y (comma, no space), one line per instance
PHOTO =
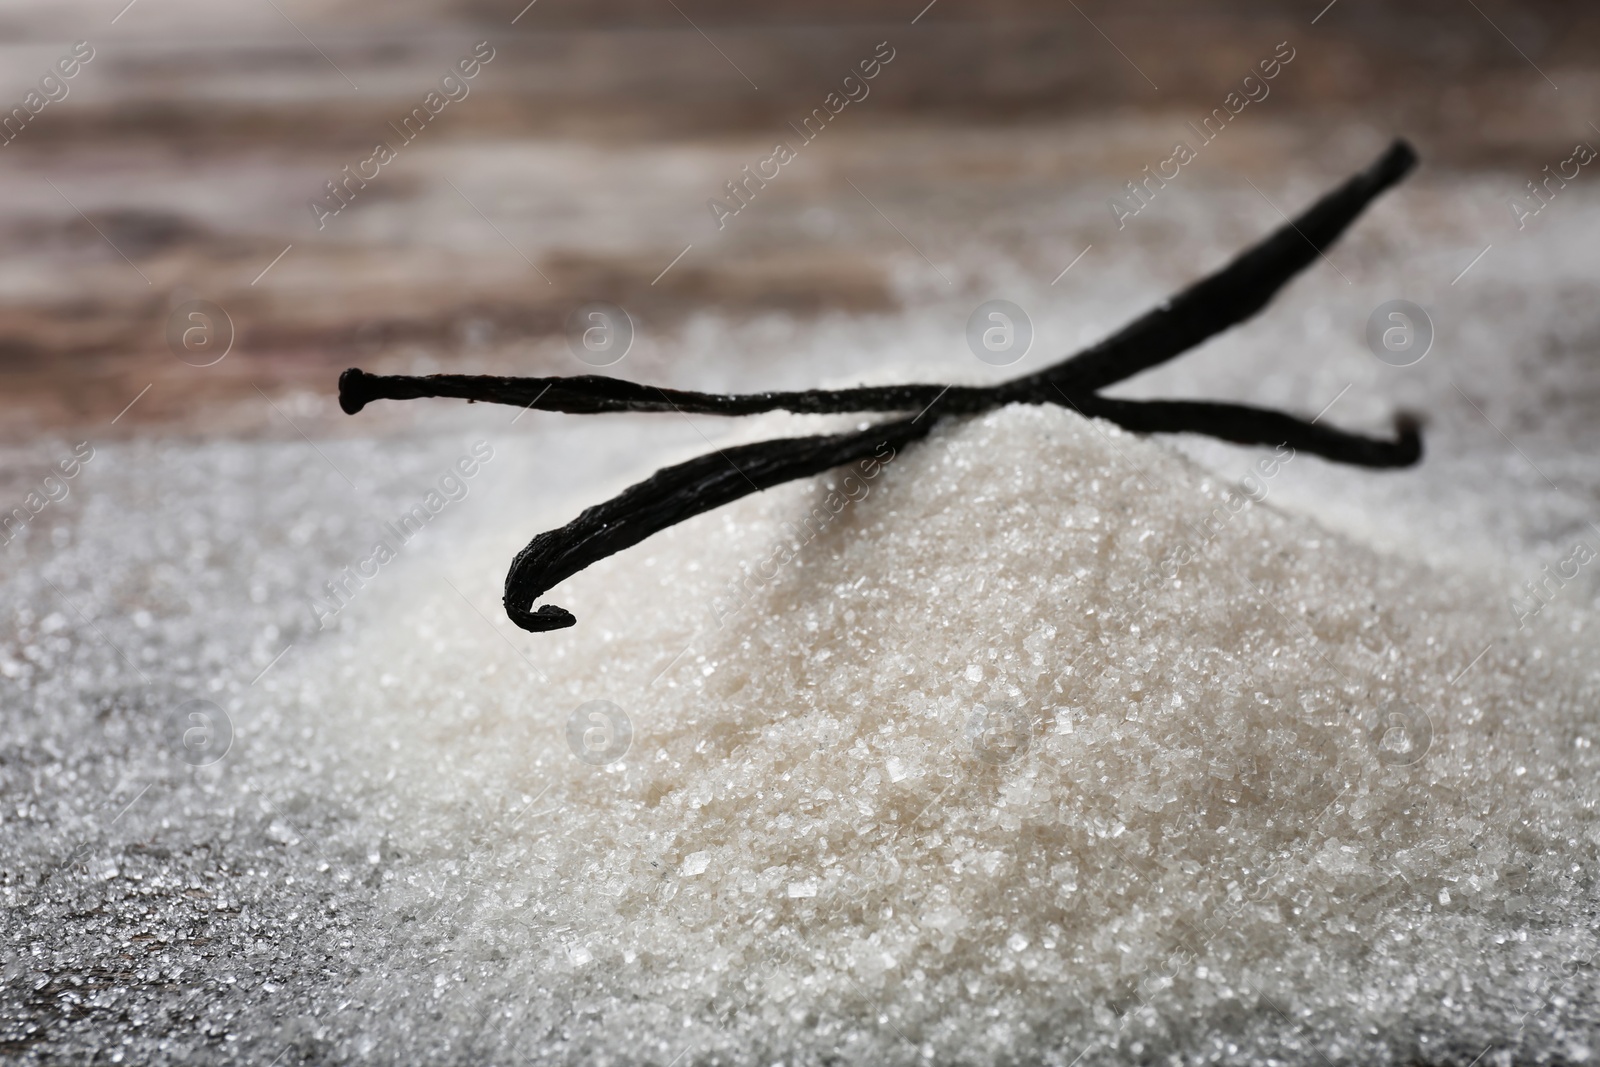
669,496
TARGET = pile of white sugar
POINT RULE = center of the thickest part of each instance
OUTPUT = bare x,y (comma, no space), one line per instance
1048,748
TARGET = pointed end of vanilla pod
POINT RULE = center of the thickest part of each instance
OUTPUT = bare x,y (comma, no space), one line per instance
1397,162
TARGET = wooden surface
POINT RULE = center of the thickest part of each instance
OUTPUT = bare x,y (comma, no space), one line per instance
182,162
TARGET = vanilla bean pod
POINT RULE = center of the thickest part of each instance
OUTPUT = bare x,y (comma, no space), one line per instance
1232,294
1226,297
673,494
1246,425
1211,305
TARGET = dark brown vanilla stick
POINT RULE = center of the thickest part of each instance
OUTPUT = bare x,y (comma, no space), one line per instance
1247,425
595,394
674,494
1215,303
1229,296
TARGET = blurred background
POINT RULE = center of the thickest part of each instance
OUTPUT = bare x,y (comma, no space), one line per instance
181,163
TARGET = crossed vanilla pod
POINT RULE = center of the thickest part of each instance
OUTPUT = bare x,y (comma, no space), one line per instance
673,494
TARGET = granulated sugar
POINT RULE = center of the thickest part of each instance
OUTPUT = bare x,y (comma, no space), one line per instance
969,779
